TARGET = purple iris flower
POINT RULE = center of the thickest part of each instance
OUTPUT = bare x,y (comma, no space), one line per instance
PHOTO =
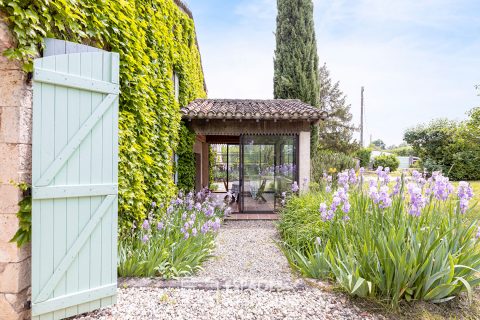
327,216
194,232
146,225
216,224
417,202
295,187
204,229
145,239
209,211
160,226
464,193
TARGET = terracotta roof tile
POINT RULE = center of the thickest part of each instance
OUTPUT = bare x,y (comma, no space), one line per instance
288,109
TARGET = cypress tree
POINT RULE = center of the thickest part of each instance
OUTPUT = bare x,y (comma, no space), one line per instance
296,58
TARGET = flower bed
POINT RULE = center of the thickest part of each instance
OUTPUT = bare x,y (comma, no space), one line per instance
172,242
394,240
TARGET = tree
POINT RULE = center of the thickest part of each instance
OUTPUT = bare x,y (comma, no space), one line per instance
379,144
449,146
335,133
296,58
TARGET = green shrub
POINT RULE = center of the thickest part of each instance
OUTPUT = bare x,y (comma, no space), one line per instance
364,155
386,161
403,151
330,162
174,243
412,242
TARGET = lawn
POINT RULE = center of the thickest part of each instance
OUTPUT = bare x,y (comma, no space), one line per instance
475,214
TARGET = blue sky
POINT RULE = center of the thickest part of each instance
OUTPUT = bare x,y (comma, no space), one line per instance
418,60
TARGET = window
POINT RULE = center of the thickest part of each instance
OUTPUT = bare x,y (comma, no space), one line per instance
175,168
176,85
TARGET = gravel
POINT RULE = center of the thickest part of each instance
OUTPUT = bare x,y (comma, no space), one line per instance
247,250
152,303
246,253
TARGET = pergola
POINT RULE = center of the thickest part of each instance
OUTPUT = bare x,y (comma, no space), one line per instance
273,142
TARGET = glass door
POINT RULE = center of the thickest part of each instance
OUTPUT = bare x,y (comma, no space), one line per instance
268,167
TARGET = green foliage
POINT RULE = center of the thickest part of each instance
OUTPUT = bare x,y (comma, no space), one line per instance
330,162
406,151
385,253
186,159
386,161
296,58
160,246
449,146
335,132
379,144
364,155
211,167
24,215
154,39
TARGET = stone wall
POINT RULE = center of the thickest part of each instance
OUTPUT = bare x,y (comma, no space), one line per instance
15,164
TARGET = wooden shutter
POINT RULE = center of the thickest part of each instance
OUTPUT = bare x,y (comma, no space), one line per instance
74,183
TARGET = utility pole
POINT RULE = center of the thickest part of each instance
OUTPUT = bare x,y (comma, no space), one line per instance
361,118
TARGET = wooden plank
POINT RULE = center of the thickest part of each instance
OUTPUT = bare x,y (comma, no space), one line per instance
73,191
107,177
73,178
47,155
72,81
73,144
36,143
73,299
114,248
60,205
115,67
85,150
96,178
73,250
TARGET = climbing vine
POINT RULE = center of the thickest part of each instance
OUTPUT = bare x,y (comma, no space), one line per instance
186,159
154,39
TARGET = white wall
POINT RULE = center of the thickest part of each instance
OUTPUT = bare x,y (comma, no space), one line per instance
304,158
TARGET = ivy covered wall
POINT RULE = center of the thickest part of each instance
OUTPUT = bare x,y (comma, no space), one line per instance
186,159
154,38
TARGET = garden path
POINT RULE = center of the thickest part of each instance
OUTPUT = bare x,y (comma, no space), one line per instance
248,278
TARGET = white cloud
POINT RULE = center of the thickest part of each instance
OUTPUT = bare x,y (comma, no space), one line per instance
260,9
412,71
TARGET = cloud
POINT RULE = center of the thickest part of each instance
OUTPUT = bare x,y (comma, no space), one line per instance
418,60
260,9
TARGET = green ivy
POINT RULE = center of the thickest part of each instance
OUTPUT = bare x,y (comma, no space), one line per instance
24,215
154,39
211,165
186,159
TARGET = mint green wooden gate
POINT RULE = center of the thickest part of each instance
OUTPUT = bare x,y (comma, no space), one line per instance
74,183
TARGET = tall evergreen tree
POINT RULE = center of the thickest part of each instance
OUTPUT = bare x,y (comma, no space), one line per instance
296,58
335,133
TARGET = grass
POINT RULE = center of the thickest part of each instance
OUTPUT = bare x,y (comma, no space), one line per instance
475,214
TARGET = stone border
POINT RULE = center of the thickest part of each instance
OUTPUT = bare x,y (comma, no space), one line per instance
213,284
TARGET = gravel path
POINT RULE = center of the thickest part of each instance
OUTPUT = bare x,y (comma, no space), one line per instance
246,253
152,303
247,250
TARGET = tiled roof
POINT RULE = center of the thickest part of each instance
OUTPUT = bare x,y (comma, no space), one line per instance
286,109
